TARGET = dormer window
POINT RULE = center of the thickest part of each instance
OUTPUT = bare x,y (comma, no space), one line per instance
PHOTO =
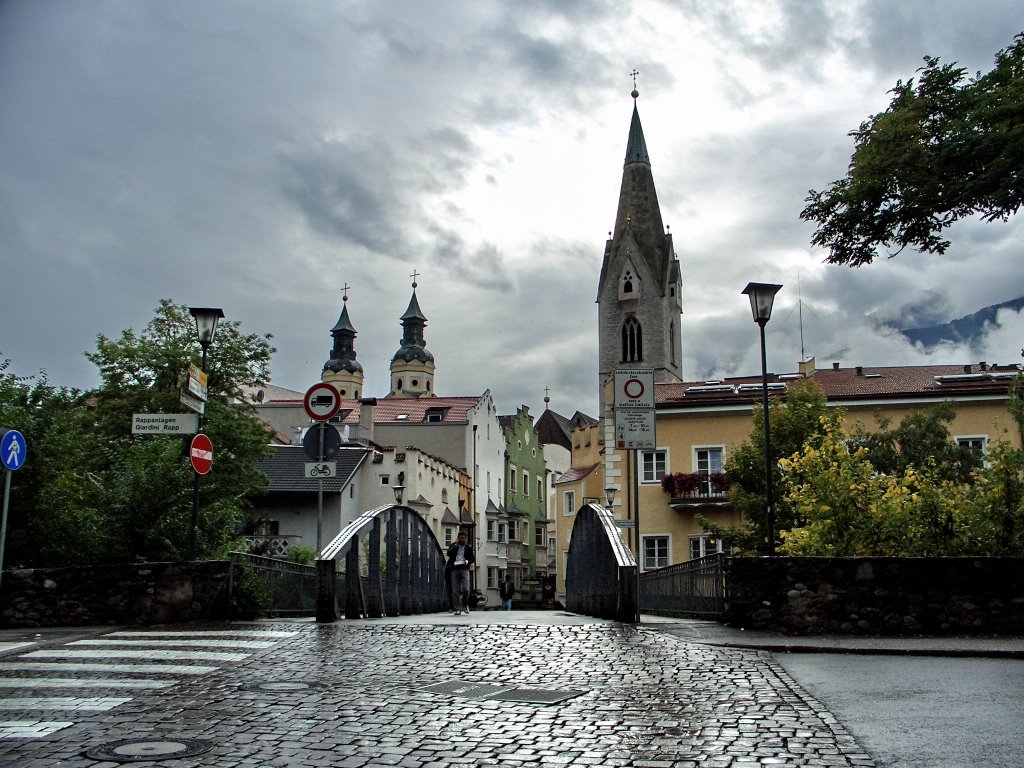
434,414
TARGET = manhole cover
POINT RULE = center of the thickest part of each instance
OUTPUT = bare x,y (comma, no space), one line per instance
535,695
132,750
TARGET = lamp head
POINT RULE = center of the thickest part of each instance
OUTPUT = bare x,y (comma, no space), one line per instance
399,491
206,322
609,494
762,296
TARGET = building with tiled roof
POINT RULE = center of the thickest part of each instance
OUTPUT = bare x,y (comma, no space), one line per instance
698,423
462,432
287,512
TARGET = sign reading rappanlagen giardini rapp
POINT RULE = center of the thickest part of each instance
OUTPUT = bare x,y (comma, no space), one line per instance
165,423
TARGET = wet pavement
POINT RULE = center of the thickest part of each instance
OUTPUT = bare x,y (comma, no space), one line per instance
518,688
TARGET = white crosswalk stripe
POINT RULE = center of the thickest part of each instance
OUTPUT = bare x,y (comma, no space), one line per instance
72,682
72,666
124,661
182,643
113,653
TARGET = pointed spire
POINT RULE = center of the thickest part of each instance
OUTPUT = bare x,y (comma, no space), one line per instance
639,215
343,353
636,147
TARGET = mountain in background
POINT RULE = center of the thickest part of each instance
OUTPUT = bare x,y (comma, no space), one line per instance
965,330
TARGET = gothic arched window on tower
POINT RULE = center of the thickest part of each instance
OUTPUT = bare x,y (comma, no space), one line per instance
632,341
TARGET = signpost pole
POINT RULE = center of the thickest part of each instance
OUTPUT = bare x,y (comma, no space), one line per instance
3,524
636,521
320,494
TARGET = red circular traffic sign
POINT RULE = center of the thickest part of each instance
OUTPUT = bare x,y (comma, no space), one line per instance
201,453
322,401
633,389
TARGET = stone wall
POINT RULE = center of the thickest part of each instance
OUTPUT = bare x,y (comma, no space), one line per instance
876,596
139,593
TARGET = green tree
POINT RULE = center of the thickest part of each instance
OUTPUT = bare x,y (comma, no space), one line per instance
846,507
947,147
58,499
150,480
91,492
797,420
921,440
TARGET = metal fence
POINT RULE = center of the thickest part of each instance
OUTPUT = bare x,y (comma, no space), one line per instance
266,586
694,589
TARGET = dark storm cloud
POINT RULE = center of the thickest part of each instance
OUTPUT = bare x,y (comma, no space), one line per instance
260,156
896,36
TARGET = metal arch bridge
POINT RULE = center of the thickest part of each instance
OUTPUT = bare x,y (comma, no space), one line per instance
394,565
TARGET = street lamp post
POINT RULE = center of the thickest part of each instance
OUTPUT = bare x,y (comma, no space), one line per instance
206,326
762,296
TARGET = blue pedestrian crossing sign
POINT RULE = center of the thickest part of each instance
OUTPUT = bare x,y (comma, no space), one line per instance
12,449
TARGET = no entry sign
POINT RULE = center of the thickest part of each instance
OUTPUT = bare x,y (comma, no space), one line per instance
201,453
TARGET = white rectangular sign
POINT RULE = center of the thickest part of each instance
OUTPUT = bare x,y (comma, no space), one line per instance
190,401
634,430
321,469
165,423
634,388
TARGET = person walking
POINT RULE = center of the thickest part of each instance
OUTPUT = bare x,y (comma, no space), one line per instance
507,590
460,559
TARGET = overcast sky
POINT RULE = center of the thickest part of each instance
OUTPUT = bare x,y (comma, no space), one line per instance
258,156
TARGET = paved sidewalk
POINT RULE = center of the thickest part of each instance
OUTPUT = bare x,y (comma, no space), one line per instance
511,689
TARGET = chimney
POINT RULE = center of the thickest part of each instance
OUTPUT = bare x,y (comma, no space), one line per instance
860,370
806,368
983,365
366,408
967,368
835,366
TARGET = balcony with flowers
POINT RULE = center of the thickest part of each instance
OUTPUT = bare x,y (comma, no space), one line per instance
696,489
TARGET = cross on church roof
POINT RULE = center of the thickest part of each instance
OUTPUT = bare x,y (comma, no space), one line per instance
344,290
414,275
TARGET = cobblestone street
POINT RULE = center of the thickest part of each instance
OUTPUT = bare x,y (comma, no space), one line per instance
449,691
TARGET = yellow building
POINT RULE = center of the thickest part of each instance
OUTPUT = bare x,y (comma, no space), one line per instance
698,423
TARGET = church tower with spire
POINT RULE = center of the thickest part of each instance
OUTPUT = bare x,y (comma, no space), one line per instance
412,367
639,292
341,369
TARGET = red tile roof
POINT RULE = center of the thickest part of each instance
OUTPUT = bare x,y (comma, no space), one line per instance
939,382
390,410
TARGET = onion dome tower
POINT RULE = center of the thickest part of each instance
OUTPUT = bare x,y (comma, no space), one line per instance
341,369
412,367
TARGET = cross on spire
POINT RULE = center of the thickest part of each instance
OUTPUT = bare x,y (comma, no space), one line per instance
633,74
344,290
414,275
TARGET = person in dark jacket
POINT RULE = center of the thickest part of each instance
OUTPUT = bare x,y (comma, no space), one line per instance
507,591
460,560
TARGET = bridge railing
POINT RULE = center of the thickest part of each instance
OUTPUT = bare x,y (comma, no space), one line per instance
394,565
268,586
694,589
600,576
